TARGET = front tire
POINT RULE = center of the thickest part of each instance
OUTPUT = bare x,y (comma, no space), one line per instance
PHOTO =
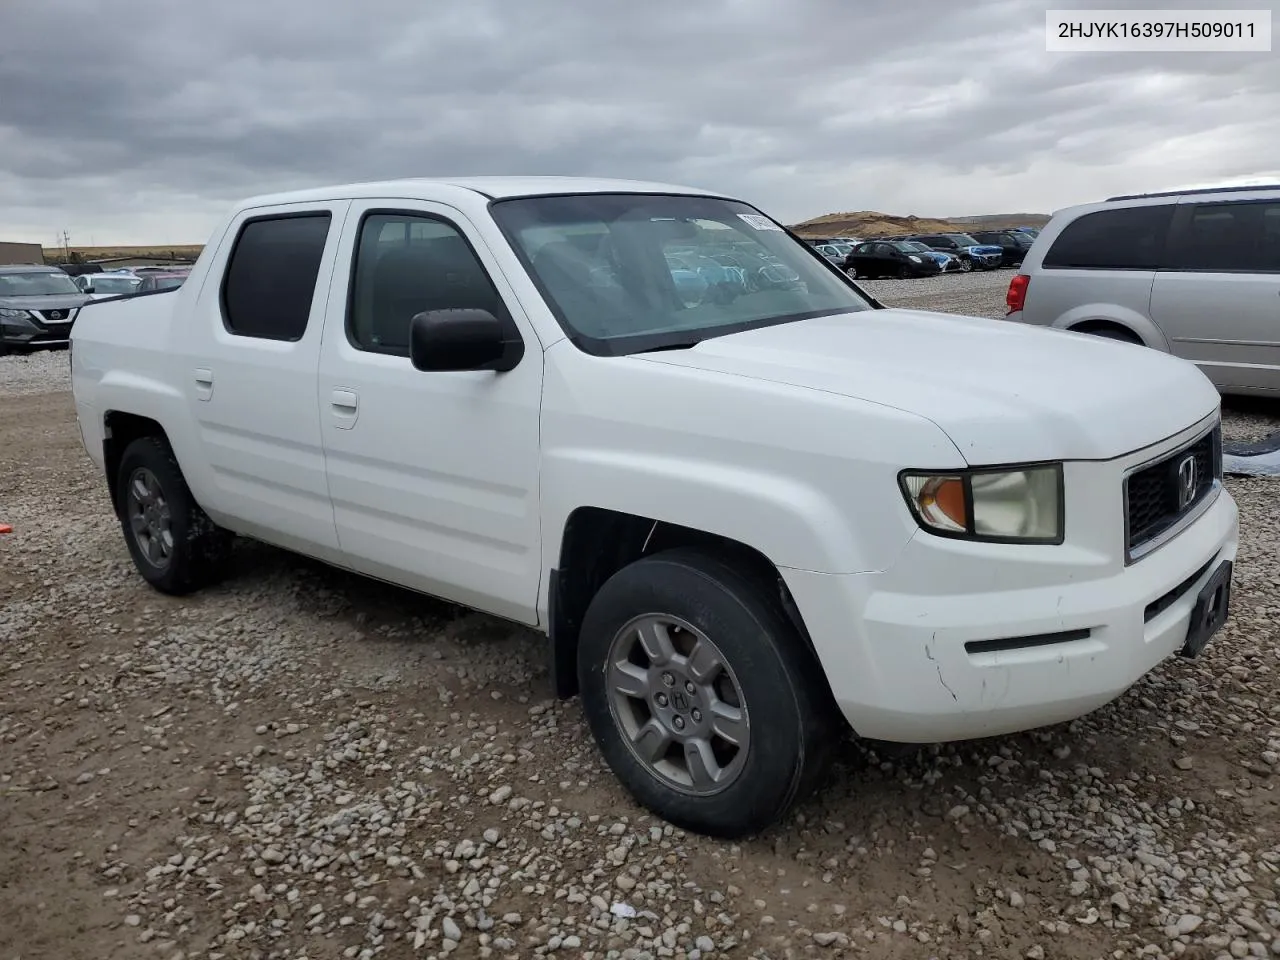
704,700
173,543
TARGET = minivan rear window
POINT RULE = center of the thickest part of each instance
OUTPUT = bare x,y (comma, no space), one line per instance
1126,238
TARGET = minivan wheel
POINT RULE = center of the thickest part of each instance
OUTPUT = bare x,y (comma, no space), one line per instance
1114,333
704,700
173,543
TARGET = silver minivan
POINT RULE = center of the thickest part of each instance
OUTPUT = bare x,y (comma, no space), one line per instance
1195,273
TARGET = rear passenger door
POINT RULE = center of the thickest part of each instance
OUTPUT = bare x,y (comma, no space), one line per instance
1218,298
434,475
251,355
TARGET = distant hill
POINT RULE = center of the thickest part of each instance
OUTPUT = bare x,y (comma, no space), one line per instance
177,250
870,223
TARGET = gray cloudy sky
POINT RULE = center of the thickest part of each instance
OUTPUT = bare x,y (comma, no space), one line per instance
139,122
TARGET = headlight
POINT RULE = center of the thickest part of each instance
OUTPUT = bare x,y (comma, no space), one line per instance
13,314
995,505
914,258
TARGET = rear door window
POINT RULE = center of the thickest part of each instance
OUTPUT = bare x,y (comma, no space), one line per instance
1126,238
271,276
1236,237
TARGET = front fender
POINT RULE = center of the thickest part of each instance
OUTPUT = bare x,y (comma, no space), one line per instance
794,524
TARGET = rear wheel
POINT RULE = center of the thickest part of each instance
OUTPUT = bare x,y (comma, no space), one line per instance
904,273
174,544
851,272
704,700
1112,333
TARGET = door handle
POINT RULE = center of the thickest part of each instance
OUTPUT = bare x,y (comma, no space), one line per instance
345,407
204,383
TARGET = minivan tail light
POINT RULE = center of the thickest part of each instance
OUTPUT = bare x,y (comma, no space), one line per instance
1016,298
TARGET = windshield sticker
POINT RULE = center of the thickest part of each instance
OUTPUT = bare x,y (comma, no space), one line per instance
758,221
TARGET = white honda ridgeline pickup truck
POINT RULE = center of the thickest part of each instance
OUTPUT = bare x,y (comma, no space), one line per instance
745,501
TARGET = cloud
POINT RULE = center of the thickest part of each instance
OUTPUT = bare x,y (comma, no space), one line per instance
142,124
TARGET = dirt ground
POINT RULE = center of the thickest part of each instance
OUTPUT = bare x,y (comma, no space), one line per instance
301,763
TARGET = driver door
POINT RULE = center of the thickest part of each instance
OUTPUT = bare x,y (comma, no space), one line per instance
433,475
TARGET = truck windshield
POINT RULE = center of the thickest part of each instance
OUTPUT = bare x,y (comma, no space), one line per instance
36,284
626,273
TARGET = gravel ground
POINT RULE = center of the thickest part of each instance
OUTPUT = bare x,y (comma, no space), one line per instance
301,763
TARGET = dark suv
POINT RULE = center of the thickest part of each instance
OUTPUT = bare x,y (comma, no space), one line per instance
1014,244
980,256
37,306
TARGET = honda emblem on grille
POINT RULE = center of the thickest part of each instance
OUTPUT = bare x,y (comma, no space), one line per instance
1188,481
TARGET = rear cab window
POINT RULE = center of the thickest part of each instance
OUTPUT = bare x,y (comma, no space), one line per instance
1124,238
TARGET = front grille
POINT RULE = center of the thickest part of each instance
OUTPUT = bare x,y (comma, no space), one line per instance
59,317
1161,494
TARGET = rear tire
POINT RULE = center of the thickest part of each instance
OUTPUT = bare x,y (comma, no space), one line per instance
704,700
173,543
1113,333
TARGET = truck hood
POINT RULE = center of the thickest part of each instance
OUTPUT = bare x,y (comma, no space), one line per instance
57,301
1003,392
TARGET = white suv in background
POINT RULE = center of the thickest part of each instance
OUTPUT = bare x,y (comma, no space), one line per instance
1195,273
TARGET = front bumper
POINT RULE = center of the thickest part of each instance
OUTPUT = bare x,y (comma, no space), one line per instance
27,332
898,645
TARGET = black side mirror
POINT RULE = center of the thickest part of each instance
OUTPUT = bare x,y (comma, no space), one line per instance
87,289
445,340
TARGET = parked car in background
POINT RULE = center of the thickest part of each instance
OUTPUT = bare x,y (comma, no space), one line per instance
980,256
835,252
744,528
1195,274
890,258
1032,231
38,305
949,262
108,283
1014,244
167,280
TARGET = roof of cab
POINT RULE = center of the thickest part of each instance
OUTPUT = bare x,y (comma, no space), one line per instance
491,188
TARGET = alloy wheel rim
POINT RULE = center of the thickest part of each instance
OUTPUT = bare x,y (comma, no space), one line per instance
678,704
150,519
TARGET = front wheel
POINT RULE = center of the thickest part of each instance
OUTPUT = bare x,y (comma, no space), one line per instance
704,700
966,265
174,544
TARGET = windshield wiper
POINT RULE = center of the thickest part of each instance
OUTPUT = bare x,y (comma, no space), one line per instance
678,345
